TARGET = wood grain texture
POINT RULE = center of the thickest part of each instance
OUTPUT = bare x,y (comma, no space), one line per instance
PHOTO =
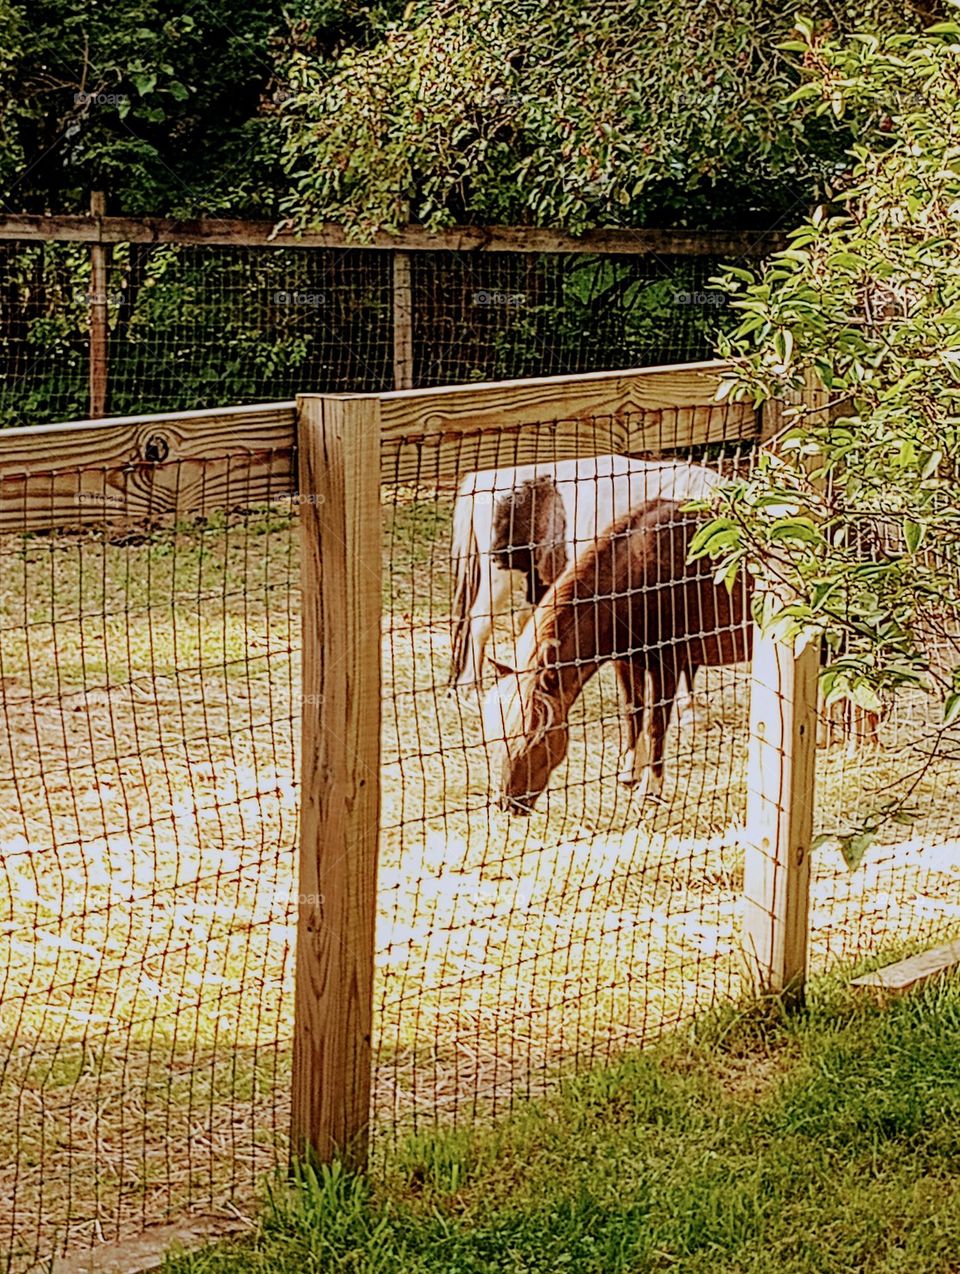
440,434
131,469
134,469
340,794
711,243
780,805
402,321
896,978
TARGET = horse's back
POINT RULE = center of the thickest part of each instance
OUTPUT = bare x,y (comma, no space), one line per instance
671,603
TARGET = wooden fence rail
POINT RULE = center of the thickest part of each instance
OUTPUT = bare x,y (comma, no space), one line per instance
153,463
100,232
97,228
334,438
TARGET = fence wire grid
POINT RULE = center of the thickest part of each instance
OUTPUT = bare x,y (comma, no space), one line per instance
207,326
149,730
511,948
148,822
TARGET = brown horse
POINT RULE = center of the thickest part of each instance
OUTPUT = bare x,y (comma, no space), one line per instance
631,597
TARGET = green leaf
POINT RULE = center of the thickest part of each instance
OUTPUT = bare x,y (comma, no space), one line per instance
951,708
144,82
854,847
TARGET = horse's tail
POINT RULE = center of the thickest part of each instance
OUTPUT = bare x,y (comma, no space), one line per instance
466,567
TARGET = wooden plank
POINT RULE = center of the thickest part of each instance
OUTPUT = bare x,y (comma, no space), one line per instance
780,804
340,793
99,316
402,322
437,435
132,469
914,971
79,229
149,1250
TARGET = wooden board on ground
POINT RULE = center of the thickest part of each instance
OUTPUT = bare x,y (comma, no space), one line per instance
894,979
149,1250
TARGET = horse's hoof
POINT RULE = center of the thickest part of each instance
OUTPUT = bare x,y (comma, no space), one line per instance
632,767
648,787
627,775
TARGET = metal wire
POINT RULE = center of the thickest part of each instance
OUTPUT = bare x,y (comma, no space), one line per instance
511,948
149,711
207,326
148,824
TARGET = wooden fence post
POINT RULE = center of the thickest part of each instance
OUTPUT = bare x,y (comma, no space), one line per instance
780,805
402,321
339,449
99,315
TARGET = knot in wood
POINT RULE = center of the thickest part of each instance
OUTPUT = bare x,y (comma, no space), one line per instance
156,449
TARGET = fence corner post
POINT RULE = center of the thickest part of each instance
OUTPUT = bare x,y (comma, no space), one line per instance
338,442
98,314
402,320
780,806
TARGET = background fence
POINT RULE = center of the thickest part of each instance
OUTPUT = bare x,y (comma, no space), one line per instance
156,1037
118,316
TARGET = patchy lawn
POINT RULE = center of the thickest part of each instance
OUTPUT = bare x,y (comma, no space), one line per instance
827,1141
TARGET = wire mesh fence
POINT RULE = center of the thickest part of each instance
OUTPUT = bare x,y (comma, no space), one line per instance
148,817
887,867
512,947
498,315
197,326
538,909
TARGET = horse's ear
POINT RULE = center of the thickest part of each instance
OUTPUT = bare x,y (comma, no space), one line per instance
502,670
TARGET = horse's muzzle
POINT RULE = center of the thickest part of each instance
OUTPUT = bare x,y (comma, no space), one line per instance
518,804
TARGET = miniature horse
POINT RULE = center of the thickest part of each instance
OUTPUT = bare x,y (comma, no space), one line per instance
632,597
532,521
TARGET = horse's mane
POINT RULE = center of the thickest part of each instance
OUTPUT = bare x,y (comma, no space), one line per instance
589,579
591,576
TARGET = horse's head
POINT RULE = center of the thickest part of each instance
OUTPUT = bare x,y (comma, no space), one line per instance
525,726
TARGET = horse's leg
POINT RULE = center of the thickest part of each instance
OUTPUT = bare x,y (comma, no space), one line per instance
686,704
664,678
632,682
493,593
864,730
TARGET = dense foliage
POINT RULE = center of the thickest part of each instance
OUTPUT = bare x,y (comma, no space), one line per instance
621,113
627,113
169,106
864,308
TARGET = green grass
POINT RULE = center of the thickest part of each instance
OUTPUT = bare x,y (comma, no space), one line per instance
149,710
824,1141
